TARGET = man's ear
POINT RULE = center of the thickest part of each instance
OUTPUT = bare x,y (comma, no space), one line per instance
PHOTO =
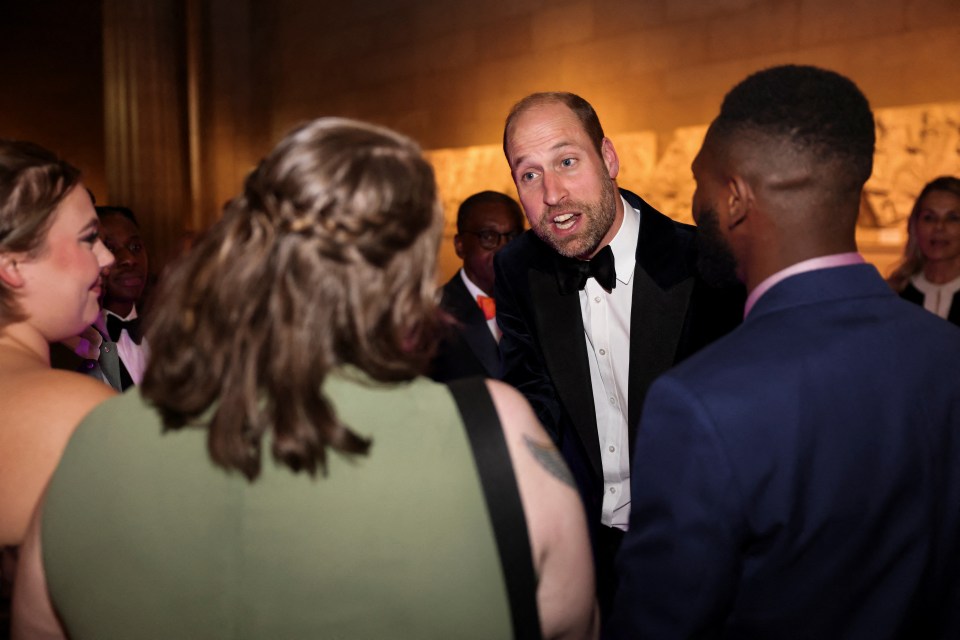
458,245
740,200
10,270
610,159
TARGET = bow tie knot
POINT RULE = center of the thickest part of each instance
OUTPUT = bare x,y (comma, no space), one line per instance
573,274
116,324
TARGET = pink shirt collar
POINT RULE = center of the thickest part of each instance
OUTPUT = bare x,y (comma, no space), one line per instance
822,262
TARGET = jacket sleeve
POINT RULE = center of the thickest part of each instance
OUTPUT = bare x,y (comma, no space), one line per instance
679,562
521,359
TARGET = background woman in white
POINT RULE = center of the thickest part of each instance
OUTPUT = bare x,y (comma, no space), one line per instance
929,274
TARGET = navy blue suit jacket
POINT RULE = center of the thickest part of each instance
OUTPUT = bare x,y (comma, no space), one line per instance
800,478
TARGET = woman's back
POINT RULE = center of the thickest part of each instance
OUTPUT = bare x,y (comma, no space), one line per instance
397,543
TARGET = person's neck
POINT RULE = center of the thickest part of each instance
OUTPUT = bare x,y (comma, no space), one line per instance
24,343
942,271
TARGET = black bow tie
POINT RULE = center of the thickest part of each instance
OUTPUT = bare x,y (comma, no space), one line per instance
116,324
572,274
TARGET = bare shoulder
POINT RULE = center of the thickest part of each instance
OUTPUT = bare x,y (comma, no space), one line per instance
59,397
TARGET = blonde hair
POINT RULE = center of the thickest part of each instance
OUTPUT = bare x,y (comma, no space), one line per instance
913,259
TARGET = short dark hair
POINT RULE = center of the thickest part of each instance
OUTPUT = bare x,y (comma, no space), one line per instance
103,211
488,197
327,258
817,110
582,109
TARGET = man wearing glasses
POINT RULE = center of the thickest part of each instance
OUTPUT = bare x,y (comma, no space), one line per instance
486,221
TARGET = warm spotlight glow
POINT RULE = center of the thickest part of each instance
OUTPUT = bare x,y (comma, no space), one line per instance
914,145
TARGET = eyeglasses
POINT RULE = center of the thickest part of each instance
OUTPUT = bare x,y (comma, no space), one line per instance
490,239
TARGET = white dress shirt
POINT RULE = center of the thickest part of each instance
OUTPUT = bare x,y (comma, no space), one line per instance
606,327
133,355
937,298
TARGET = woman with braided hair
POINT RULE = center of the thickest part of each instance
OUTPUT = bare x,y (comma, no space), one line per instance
284,470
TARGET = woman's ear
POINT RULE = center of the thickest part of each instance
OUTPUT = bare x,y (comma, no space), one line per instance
10,270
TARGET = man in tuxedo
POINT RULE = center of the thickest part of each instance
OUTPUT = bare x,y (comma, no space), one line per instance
123,355
595,301
799,478
486,221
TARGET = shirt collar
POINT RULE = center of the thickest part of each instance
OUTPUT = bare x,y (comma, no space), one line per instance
925,286
624,243
101,322
471,287
813,264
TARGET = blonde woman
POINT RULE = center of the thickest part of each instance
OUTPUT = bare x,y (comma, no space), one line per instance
929,274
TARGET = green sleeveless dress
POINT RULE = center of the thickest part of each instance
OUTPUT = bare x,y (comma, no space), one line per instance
143,537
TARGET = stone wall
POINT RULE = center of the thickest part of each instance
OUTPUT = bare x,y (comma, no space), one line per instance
446,73
914,145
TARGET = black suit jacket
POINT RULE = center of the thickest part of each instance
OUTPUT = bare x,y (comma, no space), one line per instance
544,353
468,349
914,295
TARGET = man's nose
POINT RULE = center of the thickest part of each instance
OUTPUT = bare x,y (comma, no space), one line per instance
124,255
554,190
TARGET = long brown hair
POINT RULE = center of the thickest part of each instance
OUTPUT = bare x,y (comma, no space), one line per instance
913,260
326,259
33,183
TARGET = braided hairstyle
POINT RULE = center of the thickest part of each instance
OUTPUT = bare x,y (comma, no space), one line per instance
326,259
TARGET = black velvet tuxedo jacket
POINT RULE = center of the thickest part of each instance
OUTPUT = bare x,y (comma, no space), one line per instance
468,349
543,349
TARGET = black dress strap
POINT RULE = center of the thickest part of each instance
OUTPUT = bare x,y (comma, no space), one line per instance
503,501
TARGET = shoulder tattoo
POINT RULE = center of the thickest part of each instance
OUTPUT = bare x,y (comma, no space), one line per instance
549,458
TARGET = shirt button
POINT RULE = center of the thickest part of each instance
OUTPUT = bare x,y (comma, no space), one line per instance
613,489
603,352
612,448
106,349
597,299
613,401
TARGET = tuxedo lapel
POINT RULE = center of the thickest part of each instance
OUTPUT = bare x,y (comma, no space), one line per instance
477,335
560,325
473,325
656,323
662,289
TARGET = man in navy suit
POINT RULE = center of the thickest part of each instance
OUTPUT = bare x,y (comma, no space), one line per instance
486,221
595,301
799,478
